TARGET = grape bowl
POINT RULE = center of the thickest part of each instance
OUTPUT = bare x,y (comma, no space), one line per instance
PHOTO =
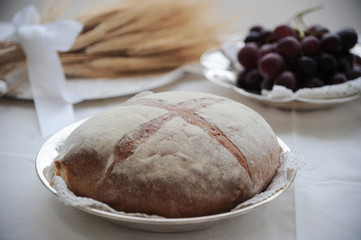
289,67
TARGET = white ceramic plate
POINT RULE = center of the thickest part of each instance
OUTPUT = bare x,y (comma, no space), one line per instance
50,150
221,67
101,88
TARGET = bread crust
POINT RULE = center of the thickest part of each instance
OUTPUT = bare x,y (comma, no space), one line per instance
173,154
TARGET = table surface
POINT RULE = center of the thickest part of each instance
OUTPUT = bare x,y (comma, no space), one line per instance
323,203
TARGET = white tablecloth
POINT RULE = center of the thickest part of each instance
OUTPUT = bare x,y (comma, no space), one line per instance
323,203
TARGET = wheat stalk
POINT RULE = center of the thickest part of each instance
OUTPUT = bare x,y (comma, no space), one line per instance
131,37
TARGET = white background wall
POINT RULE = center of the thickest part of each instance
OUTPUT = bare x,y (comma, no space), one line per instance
335,14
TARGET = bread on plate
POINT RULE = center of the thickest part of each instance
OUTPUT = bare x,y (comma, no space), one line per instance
173,154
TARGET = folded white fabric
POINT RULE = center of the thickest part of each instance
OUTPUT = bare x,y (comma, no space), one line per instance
346,89
47,79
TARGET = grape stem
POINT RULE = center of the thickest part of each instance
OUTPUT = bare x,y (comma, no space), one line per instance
297,20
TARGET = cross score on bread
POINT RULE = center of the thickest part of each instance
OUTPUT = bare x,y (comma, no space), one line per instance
186,110
173,154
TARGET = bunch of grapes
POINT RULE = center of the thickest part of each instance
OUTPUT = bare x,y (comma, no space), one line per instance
285,56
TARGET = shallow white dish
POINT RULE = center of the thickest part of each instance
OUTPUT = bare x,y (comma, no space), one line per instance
101,88
50,149
221,67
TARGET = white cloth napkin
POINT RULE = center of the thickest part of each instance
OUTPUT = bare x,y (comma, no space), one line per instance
52,101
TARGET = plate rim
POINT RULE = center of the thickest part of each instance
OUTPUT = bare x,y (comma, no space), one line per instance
51,142
153,81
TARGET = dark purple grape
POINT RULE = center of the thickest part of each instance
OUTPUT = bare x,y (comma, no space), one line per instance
331,43
266,48
241,79
353,73
306,66
350,57
252,37
288,80
327,62
337,78
289,48
317,30
282,31
323,76
265,36
342,64
311,46
271,65
348,37
286,57
253,80
248,56
256,28
299,34
312,82
357,59
267,83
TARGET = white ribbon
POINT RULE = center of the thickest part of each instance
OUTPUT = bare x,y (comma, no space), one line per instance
53,103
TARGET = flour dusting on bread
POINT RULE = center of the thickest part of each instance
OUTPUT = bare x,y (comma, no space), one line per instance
174,154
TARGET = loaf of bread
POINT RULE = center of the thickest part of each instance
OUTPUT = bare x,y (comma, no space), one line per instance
173,154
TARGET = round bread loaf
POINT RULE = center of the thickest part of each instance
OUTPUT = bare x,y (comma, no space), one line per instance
173,154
